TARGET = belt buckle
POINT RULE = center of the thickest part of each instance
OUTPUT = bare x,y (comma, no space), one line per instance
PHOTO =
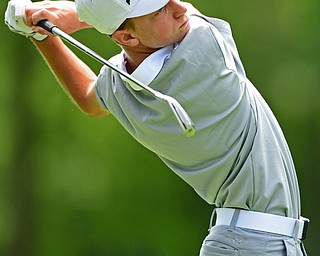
305,227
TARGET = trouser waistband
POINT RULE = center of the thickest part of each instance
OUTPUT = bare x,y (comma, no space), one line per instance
296,228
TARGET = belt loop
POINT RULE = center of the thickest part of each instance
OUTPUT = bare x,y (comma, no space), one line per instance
296,230
234,219
211,219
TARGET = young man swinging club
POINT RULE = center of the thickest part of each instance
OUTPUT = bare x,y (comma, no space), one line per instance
238,160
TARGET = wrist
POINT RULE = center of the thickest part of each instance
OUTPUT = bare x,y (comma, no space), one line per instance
39,37
49,40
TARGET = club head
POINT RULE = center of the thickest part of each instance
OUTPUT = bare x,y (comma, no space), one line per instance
182,117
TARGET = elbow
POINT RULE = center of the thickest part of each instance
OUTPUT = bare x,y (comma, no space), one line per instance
95,112
90,106
92,109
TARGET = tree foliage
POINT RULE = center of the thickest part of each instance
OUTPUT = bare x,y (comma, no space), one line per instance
73,185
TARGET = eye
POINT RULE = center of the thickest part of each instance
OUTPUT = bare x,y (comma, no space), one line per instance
161,10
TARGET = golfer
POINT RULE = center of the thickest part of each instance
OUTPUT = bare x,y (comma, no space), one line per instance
238,160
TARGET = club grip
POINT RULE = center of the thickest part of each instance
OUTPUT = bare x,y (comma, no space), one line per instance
47,25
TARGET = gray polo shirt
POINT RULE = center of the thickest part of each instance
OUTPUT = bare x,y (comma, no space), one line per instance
238,156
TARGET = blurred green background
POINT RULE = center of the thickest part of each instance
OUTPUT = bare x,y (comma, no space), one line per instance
73,185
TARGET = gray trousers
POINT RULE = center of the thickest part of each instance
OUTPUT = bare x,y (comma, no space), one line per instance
234,241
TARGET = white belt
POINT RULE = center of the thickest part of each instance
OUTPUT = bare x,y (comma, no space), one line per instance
276,224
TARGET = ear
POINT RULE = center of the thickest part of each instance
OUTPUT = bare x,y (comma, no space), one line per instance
125,38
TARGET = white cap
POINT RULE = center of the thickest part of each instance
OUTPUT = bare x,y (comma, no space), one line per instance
107,15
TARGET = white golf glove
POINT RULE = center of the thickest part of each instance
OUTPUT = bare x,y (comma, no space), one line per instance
14,18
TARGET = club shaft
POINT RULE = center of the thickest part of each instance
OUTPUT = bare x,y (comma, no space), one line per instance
93,54
181,115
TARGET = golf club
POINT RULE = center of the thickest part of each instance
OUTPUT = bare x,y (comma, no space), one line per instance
181,115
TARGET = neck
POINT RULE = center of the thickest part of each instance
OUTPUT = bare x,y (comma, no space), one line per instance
135,56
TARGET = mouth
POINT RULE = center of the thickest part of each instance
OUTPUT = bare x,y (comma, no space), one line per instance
185,24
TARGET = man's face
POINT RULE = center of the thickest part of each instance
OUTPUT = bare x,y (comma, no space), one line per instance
163,27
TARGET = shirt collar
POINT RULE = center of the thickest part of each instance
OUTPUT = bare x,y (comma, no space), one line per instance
147,71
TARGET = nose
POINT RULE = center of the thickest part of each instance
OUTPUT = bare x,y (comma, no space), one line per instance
178,8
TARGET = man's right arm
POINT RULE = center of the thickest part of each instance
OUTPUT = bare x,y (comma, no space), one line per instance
73,74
